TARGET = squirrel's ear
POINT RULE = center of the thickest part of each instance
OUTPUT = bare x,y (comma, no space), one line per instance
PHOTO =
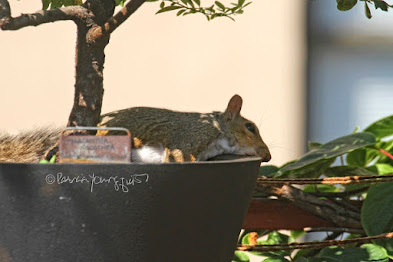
234,107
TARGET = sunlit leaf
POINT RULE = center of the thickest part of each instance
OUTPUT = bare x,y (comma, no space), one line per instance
240,256
332,150
345,5
381,4
381,128
168,8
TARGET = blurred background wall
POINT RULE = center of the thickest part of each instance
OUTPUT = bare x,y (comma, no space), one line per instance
350,73
182,63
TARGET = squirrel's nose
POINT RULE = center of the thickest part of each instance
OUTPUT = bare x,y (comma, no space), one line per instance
266,156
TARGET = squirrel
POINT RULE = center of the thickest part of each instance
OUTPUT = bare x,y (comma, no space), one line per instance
159,135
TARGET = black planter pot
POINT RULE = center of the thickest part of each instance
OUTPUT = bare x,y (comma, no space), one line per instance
131,212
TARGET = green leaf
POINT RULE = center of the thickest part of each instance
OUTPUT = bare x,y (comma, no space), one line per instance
377,213
276,259
68,2
367,252
340,171
381,128
162,5
301,259
331,150
240,256
276,238
313,145
297,233
220,5
190,3
181,12
168,8
198,2
53,159
381,4
45,4
345,5
375,252
383,169
246,239
268,170
357,158
367,10
320,188
301,255
241,2
56,4
309,171
247,4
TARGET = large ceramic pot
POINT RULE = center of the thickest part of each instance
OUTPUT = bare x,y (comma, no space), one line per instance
124,212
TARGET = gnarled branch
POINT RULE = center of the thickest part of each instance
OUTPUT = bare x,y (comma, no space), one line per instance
7,22
114,22
335,214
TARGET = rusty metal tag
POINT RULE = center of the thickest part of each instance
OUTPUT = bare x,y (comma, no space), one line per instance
93,149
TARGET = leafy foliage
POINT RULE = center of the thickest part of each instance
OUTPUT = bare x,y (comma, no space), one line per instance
59,3
345,5
377,213
359,154
367,252
272,238
218,9
183,7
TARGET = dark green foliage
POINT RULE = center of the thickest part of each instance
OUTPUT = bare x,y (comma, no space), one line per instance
367,252
218,9
345,5
359,154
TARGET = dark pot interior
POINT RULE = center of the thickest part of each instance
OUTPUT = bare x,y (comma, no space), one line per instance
177,212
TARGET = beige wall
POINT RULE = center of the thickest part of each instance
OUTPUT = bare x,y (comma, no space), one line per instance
183,63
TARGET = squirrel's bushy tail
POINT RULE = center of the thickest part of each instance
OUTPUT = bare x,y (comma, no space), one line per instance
27,146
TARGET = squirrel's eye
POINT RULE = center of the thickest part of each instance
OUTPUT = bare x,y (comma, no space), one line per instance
251,128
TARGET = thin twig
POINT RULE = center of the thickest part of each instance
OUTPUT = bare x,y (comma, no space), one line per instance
315,251
326,181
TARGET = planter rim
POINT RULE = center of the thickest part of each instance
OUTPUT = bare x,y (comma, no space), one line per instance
225,161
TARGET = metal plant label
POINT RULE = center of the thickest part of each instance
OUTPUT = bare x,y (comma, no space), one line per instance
90,148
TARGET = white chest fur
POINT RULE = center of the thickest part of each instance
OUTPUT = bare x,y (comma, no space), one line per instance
148,154
218,147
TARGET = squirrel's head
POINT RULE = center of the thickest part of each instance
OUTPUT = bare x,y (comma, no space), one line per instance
245,132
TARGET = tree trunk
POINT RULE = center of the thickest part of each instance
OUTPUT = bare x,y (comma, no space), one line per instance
89,65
